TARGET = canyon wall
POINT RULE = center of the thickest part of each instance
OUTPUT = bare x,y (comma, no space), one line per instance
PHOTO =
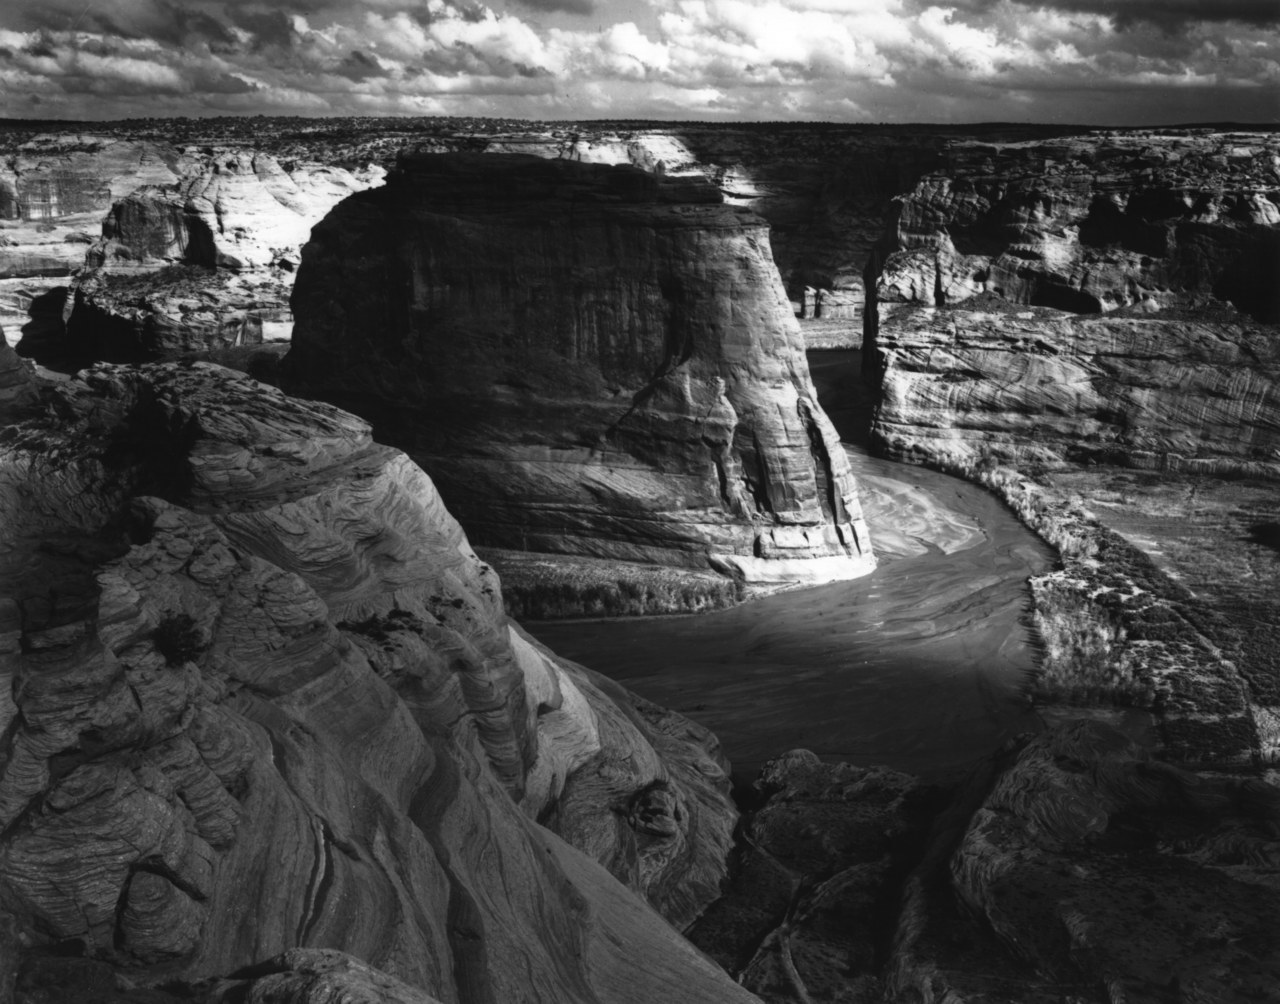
587,359
265,697
1145,267
226,224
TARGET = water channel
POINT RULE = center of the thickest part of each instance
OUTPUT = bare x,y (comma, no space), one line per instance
920,666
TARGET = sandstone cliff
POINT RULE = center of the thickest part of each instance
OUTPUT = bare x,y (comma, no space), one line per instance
125,206
1173,230
1193,392
588,360
265,697
55,190
1093,222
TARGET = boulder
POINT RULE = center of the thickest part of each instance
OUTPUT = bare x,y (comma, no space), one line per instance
587,359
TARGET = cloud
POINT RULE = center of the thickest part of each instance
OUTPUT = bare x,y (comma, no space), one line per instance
566,6
1170,13
903,60
359,66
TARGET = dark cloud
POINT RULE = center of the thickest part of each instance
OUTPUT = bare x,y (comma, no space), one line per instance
163,21
561,6
359,66
42,46
268,27
1169,14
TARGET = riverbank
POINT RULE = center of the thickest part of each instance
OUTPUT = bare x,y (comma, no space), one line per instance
922,666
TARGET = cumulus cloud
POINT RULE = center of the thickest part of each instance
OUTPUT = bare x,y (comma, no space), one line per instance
912,60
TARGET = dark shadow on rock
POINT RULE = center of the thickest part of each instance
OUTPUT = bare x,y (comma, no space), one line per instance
1265,534
44,336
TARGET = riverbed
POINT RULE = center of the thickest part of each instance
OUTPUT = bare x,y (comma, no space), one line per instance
920,666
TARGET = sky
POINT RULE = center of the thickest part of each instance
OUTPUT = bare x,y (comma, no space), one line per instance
1099,62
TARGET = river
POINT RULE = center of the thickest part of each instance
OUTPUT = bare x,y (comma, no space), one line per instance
920,666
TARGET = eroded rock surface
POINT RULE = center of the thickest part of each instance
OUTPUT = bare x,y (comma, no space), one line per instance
1095,873
136,206
1070,866
1173,230
1094,222
810,912
266,698
1198,394
587,360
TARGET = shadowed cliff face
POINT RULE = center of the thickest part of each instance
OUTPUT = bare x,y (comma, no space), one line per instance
265,697
587,360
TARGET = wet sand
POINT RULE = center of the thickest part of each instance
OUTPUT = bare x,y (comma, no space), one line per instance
920,665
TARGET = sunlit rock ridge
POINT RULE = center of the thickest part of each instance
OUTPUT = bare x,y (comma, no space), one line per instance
587,359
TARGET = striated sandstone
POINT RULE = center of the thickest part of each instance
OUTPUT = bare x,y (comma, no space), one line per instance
267,699
136,206
588,360
1144,265
1196,393
1094,222
55,190
230,209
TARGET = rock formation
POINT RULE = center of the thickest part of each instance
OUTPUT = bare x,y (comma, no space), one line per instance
176,311
588,360
1094,222
1168,230
811,908
1071,865
1103,875
1196,392
17,383
265,698
55,190
126,206
230,209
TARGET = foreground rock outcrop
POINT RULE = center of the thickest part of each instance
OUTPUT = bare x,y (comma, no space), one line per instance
265,697
587,360
1071,866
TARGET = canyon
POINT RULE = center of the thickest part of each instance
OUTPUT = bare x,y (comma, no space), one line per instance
256,666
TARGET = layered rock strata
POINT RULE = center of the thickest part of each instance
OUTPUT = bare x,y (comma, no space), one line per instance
137,206
54,192
588,360
1198,393
266,698
1094,222
1173,232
